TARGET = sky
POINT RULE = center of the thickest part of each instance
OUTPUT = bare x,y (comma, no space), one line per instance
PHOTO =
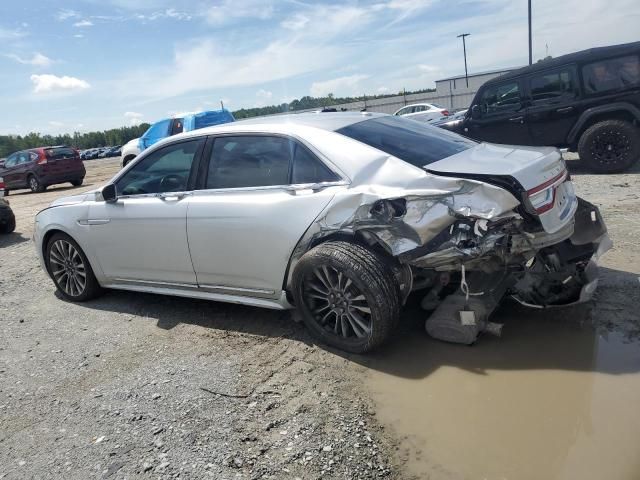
83,65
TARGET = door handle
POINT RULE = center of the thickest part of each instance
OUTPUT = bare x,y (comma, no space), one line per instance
565,110
519,119
173,196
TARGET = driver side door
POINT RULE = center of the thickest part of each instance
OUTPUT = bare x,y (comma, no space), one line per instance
141,238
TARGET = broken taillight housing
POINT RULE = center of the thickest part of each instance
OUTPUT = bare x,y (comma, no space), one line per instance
543,197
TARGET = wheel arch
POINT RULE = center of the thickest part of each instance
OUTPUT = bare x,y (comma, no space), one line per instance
614,111
46,237
312,240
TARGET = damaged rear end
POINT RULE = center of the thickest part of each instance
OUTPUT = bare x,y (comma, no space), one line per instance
472,228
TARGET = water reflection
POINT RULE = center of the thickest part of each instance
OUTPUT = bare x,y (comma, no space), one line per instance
550,399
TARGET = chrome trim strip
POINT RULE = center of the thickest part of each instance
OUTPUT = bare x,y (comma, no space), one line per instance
238,290
153,283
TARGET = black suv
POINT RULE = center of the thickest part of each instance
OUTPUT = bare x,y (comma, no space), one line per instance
588,102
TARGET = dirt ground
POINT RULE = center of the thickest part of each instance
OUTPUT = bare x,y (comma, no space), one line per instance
138,385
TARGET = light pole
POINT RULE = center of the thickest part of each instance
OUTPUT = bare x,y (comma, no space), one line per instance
464,49
530,44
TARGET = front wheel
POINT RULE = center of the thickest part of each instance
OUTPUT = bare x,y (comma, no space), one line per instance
9,226
348,296
70,270
611,146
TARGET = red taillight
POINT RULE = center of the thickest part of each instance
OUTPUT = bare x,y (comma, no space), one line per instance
445,113
1,186
42,157
543,197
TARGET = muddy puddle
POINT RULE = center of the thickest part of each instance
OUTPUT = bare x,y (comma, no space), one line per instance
551,399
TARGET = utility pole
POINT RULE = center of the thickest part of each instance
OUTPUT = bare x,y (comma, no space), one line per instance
530,43
464,49
222,104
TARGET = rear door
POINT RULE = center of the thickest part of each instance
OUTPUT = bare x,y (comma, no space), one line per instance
256,202
554,108
60,162
503,108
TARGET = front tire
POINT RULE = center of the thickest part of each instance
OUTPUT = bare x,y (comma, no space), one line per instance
348,296
611,146
35,185
70,270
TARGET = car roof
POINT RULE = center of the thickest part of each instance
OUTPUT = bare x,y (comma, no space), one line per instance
330,121
583,55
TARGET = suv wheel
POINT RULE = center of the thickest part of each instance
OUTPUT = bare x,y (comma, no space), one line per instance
70,270
611,146
77,183
348,296
35,185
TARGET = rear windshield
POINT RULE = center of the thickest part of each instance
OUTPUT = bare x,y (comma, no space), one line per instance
409,140
60,153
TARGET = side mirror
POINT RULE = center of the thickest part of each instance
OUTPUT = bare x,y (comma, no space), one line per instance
109,193
476,113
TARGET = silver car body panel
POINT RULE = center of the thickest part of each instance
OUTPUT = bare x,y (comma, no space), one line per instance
237,245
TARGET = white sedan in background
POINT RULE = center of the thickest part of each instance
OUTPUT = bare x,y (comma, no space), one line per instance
423,112
340,215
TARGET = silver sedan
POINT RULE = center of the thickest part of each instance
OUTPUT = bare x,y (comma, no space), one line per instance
340,215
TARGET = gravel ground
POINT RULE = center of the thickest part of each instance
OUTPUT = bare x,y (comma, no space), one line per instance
138,385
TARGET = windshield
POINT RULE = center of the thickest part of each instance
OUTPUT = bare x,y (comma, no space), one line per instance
411,141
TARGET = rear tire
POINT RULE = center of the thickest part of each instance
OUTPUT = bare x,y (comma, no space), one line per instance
35,185
77,183
348,296
70,270
611,146
9,227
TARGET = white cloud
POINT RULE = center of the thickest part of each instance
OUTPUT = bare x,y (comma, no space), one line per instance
338,86
10,34
83,23
51,83
295,22
263,97
38,60
57,124
203,65
66,14
382,90
171,13
134,118
230,10
79,35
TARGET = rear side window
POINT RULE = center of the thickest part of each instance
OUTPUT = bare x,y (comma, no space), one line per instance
500,98
409,140
308,169
60,153
611,74
553,86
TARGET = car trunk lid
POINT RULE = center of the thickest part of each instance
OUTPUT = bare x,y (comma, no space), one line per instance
537,176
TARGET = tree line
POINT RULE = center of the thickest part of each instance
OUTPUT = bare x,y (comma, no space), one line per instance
120,136
115,136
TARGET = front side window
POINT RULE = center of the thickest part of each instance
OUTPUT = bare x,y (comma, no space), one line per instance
554,86
409,140
11,160
611,74
165,170
500,98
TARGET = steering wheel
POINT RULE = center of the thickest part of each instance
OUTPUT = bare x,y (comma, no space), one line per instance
171,183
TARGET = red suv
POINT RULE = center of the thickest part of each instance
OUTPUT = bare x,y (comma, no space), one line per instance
37,168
